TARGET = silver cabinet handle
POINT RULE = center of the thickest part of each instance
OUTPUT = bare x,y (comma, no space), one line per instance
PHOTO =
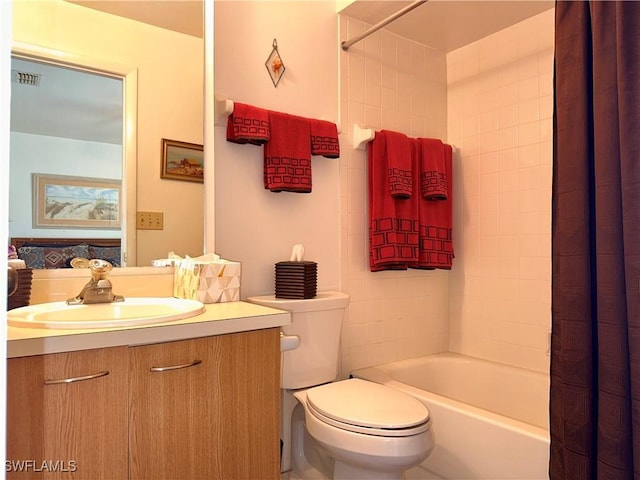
82,378
175,367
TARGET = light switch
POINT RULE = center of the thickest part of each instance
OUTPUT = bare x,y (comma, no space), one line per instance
149,221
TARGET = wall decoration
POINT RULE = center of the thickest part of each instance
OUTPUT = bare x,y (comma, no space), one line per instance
61,201
275,65
182,161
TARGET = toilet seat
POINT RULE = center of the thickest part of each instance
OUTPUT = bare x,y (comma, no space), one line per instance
365,407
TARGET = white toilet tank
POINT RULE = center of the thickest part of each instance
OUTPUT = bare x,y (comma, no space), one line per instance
317,322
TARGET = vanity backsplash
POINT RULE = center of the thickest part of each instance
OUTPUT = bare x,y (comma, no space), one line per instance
59,284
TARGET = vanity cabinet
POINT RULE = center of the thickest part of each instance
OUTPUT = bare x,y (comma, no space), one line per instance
190,409
206,408
67,415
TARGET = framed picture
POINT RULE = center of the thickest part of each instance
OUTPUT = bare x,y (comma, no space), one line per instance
61,201
182,161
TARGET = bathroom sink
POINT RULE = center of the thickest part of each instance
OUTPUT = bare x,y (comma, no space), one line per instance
130,312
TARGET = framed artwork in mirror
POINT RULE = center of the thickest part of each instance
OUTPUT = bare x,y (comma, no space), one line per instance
182,161
61,201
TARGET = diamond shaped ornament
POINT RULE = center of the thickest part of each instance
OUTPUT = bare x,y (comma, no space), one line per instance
275,65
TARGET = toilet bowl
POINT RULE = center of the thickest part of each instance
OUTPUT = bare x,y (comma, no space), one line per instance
349,429
370,430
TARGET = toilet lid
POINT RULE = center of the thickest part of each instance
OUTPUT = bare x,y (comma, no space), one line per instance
368,405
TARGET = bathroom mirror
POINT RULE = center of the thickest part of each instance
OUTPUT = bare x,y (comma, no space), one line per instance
156,48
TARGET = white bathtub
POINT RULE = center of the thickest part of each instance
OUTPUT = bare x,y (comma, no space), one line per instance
490,420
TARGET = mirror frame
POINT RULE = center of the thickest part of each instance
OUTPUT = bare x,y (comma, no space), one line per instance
129,76
209,129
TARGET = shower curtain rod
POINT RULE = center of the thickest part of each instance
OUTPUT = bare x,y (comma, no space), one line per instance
346,44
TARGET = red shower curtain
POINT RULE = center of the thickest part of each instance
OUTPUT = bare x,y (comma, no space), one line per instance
595,350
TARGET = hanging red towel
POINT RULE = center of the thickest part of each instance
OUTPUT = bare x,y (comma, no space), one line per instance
433,175
399,164
393,225
248,124
324,138
287,154
436,225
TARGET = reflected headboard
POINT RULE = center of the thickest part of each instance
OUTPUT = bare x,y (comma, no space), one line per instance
58,252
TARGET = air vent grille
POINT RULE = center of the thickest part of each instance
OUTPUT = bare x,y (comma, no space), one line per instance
26,78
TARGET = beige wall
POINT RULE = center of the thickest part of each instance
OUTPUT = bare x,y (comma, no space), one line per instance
500,103
170,104
253,225
387,82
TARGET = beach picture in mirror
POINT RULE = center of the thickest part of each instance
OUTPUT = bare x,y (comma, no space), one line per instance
182,161
75,202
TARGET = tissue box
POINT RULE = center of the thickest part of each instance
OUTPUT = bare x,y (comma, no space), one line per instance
208,282
297,279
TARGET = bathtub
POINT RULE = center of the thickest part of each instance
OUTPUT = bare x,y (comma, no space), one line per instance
490,420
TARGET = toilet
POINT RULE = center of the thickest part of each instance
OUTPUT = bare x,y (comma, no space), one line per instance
348,429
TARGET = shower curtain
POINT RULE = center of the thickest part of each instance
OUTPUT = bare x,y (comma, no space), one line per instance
595,347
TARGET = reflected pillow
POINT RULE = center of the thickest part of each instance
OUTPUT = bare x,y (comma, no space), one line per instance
42,256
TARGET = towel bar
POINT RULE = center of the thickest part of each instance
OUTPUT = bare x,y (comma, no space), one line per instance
224,108
361,136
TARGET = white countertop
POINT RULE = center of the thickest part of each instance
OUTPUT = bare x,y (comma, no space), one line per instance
218,319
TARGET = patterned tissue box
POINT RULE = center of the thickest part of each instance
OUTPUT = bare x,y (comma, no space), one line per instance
208,282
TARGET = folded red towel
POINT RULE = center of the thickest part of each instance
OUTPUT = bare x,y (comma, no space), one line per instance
436,225
324,138
399,164
248,124
287,154
393,224
433,175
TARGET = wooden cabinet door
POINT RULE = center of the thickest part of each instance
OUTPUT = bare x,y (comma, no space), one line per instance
67,415
206,408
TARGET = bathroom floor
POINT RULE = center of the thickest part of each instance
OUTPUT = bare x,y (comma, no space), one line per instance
417,473
420,473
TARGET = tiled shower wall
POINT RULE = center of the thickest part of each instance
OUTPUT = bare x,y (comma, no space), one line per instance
500,105
493,100
387,82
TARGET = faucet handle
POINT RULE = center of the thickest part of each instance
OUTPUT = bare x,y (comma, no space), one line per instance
79,262
99,268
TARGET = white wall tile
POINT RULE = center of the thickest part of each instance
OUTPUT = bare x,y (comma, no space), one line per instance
495,105
505,227
392,315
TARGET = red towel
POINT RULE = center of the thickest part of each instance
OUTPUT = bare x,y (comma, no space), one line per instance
324,139
399,164
393,225
248,124
436,225
433,175
287,154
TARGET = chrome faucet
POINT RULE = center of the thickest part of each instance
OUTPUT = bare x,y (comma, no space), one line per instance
99,289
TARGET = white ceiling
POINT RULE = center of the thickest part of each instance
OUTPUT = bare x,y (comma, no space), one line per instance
184,16
81,108
67,103
448,24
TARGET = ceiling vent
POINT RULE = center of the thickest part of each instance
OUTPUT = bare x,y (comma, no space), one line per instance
25,78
